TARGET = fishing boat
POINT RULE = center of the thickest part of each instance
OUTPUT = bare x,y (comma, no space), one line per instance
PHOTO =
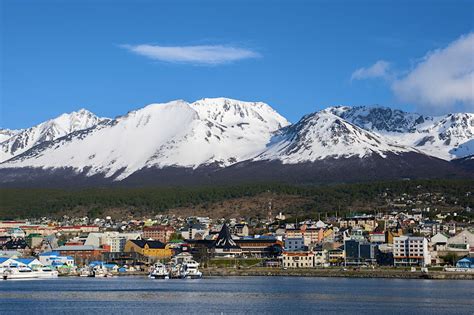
159,271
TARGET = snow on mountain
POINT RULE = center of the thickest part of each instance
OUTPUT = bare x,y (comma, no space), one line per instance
6,134
25,139
446,137
321,135
221,131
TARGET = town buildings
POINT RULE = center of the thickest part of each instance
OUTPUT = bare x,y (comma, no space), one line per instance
411,251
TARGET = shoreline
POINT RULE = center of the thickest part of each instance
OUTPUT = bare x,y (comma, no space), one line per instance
328,273
336,273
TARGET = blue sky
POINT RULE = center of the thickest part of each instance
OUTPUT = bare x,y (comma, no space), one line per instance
298,56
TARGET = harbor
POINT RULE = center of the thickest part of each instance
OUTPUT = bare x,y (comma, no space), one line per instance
235,295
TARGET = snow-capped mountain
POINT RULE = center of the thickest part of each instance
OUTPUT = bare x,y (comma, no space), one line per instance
23,140
210,131
5,134
223,140
321,135
446,137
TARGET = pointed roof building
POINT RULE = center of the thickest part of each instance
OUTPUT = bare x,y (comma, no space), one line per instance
224,239
225,245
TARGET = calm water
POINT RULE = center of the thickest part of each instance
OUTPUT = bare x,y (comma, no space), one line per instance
262,295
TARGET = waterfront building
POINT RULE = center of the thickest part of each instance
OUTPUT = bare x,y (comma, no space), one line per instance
55,259
225,245
298,259
336,255
359,252
465,237
320,256
152,249
411,251
82,254
263,246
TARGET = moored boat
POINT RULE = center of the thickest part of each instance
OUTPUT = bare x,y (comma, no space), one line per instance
191,270
28,273
159,271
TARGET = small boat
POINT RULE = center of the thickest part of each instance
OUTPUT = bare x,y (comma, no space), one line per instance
176,271
100,272
159,271
85,272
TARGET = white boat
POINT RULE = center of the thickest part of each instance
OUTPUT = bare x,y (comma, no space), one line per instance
47,272
159,271
176,271
28,273
191,270
85,272
100,272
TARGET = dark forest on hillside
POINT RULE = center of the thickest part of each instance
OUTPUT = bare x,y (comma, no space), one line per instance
28,203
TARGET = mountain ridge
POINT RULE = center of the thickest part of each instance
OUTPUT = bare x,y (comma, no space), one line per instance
217,137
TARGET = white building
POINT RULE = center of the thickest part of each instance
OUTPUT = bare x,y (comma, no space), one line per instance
114,239
410,250
55,259
301,259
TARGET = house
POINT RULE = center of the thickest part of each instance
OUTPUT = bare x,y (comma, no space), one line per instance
17,244
467,262
195,231
411,251
152,249
240,229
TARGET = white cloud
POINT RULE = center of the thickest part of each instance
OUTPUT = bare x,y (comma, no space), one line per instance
443,80
205,54
380,69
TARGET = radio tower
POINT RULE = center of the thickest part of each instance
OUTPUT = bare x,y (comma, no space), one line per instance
269,214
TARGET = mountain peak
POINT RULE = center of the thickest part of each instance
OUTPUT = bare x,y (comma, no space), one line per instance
323,134
47,131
